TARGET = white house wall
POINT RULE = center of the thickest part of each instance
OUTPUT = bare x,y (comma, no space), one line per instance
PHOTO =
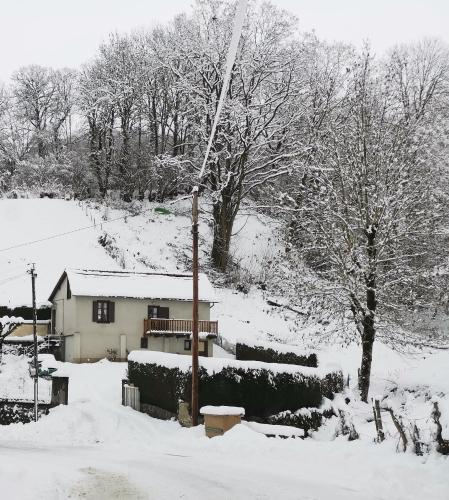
66,322
97,338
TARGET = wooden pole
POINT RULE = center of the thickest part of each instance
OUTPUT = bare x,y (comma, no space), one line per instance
194,402
378,420
36,363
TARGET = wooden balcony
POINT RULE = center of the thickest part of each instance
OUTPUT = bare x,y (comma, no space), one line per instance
178,327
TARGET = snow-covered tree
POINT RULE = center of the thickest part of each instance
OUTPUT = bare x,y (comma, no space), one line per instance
44,98
100,114
372,207
7,326
252,145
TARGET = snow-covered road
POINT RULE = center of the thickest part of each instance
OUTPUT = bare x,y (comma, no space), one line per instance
96,449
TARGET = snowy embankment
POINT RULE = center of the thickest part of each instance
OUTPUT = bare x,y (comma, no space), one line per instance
37,220
95,448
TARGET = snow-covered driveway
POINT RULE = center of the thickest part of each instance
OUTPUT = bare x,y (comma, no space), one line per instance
96,449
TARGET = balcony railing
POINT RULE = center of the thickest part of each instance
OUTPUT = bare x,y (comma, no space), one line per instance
159,326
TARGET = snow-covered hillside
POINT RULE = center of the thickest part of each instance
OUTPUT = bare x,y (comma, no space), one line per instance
94,448
24,221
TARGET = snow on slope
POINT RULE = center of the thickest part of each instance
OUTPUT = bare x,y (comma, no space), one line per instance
159,241
25,220
153,241
95,448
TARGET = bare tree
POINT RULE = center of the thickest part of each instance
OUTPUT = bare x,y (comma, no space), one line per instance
7,326
371,210
15,137
44,98
251,146
100,114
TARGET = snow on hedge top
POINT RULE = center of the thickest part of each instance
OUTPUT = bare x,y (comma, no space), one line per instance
92,283
222,410
213,365
276,346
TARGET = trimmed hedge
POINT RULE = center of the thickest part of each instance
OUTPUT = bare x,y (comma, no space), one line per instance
26,312
262,392
309,420
246,352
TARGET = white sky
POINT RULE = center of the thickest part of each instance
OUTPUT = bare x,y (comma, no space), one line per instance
66,33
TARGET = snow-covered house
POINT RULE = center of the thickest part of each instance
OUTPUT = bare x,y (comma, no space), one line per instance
114,312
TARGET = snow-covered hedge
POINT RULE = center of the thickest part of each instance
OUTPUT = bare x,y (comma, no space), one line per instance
13,412
262,389
26,312
269,354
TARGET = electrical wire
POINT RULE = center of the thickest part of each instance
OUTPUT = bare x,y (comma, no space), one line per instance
12,278
66,233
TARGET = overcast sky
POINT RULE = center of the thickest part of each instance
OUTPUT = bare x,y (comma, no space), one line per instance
61,33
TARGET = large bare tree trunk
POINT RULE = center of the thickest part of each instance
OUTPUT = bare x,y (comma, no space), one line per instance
223,213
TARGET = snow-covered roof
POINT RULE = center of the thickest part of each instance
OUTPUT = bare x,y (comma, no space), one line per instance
139,285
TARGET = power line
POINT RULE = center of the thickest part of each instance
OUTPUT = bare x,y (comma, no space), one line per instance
12,278
60,235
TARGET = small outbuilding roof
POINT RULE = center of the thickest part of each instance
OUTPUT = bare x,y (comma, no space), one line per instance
138,285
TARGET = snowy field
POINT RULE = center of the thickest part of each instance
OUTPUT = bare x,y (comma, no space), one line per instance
94,448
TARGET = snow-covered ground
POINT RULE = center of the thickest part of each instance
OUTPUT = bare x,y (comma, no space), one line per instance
26,220
94,448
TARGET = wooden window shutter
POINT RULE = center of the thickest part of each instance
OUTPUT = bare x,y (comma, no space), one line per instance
95,311
111,312
163,313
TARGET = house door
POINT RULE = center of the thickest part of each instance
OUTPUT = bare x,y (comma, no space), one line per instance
69,344
202,348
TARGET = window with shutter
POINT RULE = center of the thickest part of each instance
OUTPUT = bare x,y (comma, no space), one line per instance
103,311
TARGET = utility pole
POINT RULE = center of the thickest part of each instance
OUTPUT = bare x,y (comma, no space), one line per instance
32,271
195,308
232,51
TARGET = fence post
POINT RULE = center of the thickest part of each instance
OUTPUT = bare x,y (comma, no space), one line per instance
378,420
